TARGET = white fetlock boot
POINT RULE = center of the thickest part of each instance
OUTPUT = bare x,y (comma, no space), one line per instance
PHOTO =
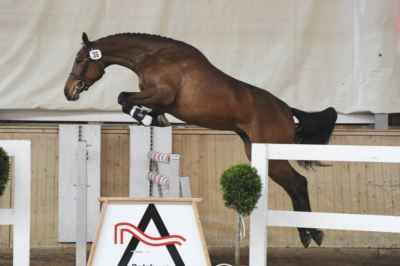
140,114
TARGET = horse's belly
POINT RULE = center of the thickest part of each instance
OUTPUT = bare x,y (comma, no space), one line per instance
206,119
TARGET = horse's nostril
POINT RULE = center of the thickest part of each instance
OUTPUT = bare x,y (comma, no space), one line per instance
67,96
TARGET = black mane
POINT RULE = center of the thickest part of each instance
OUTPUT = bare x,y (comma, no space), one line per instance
141,35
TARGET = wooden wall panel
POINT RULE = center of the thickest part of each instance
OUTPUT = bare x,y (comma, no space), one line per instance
343,187
6,202
44,198
204,157
115,162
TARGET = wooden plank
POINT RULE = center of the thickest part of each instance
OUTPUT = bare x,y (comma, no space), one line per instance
115,163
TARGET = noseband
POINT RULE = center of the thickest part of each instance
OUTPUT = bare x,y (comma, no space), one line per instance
80,80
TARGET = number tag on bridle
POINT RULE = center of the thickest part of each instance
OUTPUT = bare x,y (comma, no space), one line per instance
95,54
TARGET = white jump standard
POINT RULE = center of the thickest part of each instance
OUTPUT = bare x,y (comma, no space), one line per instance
262,217
20,215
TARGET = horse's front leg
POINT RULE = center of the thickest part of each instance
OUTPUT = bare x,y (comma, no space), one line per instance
131,103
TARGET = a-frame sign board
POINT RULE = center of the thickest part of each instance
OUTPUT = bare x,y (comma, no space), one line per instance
149,232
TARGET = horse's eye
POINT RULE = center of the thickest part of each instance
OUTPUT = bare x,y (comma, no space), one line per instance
79,60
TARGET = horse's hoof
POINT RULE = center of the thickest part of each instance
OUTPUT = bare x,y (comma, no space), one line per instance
318,236
305,238
162,121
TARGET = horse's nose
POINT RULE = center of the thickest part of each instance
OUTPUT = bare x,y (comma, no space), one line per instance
67,95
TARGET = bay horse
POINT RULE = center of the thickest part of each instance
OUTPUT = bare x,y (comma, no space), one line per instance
176,78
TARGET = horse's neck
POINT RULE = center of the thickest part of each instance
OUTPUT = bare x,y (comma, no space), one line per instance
129,53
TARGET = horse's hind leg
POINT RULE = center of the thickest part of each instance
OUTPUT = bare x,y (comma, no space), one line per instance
296,186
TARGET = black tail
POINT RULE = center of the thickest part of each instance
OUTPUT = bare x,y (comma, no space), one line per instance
314,128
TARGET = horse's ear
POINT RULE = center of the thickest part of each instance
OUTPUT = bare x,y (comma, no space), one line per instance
85,40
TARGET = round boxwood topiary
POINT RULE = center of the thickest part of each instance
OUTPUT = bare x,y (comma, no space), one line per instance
241,187
4,170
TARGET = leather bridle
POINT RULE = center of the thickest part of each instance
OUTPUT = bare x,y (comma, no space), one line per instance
81,82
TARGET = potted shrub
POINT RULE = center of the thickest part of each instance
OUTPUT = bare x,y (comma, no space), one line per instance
241,188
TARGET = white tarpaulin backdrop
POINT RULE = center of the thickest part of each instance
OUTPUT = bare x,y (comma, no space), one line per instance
310,53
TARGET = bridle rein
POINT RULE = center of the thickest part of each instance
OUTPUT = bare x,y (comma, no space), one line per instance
81,80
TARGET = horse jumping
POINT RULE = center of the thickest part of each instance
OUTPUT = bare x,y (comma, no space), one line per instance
176,78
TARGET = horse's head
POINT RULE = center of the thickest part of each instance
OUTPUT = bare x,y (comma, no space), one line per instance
87,69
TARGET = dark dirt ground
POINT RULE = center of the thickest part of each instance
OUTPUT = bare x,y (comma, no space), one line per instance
276,257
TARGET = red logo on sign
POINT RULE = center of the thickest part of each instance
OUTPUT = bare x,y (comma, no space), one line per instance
121,228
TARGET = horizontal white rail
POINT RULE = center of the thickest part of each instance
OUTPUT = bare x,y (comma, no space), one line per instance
343,153
262,217
338,221
6,216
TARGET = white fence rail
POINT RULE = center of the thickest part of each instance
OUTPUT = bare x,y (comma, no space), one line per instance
19,215
262,217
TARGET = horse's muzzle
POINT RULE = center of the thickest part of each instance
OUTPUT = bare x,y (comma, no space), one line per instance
73,89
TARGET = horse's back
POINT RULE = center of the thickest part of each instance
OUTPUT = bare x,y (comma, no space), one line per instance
204,91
